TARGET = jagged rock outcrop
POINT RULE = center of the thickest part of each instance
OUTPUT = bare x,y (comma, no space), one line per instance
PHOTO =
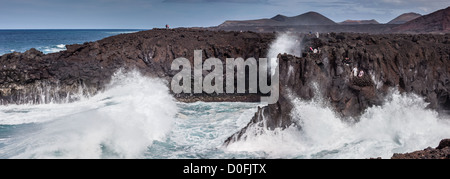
440,152
410,63
25,76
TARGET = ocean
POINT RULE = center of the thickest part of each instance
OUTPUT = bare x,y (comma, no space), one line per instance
136,117
50,41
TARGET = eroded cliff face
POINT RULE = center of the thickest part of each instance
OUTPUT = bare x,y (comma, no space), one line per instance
33,77
417,64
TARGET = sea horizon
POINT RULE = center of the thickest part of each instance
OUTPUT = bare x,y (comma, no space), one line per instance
52,40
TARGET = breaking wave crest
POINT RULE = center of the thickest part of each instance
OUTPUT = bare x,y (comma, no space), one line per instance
402,124
121,122
52,48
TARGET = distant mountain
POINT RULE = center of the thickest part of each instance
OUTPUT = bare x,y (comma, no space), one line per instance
406,17
258,22
280,18
309,18
436,22
359,22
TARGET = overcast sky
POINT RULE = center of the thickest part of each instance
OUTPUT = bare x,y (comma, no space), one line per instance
147,14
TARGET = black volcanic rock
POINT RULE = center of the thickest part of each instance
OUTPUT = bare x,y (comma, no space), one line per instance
24,75
406,17
441,152
443,144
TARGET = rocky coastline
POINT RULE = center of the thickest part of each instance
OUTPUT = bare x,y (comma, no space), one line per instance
408,63
89,66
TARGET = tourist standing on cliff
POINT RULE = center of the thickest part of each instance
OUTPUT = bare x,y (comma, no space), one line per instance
167,26
361,73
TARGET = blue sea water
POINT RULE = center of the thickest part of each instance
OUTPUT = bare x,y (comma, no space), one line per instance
50,41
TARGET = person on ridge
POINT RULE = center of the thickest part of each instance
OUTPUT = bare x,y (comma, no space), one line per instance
361,73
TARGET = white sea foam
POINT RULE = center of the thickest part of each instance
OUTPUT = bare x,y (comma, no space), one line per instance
401,124
201,129
52,48
121,122
61,46
122,32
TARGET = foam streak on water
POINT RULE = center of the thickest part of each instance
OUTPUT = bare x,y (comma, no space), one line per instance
201,128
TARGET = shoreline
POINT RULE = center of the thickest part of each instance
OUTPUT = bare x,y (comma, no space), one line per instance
389,56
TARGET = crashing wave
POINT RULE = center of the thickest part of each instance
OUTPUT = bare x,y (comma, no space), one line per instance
121,122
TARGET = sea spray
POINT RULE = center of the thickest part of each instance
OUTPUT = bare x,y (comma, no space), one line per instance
402,124
50,92
287,42
121,122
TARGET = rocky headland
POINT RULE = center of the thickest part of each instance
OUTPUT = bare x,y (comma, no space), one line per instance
408,63
30,76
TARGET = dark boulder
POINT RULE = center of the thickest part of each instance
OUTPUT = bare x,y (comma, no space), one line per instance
443,144
441,152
